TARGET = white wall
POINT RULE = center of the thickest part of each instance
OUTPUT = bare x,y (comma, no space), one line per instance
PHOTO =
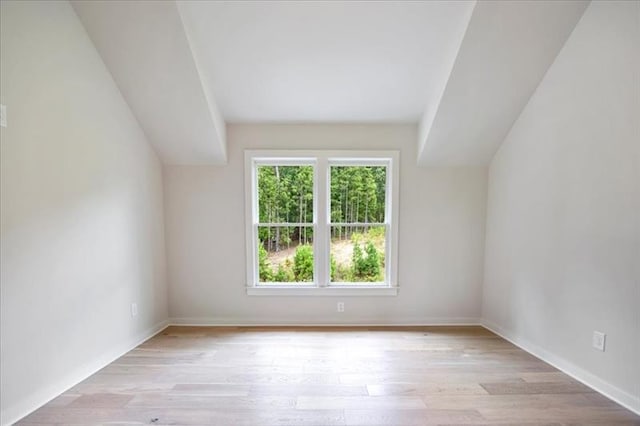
441,240
81,208
563,221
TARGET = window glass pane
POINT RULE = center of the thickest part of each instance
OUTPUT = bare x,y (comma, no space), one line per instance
358,194
358,254
285,194
285,254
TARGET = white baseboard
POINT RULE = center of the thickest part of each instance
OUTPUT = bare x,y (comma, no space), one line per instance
42,396
321,322
612,392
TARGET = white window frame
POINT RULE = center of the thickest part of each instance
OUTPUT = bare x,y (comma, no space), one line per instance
322,162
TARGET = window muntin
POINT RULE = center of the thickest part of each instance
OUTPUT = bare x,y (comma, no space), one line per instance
287,211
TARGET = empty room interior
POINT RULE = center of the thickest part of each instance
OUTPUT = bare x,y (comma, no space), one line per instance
319,213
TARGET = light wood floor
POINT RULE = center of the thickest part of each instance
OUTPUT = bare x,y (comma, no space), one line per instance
330,376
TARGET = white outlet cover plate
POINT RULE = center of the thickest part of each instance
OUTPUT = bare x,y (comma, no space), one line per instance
3,115
599,339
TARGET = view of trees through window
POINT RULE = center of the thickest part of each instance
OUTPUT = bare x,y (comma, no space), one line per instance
285,229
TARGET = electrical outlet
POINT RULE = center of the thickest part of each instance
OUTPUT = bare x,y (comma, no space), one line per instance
598,340
340,306
134,309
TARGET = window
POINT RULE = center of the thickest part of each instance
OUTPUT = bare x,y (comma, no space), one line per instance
357,194
321,222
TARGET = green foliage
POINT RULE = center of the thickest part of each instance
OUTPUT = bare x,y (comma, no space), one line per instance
343,273
372,263
340,272
365,265
303,263
264,267
332,267
285,194
357,195
376,233
357,261
285,273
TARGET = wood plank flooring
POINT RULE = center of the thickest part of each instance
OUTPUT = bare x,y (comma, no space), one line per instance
258,376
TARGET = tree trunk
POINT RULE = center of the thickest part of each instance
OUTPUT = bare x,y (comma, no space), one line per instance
304,228
346,211
300,218
366,215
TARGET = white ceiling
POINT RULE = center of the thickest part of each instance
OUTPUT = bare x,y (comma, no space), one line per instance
325,61
464,70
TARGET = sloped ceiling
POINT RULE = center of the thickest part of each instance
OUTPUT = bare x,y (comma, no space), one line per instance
463,70
145,47
504,55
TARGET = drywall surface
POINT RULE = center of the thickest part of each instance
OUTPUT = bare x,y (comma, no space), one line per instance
563,221
82,220
441,236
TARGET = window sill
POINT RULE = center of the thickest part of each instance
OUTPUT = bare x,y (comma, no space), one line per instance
322,291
